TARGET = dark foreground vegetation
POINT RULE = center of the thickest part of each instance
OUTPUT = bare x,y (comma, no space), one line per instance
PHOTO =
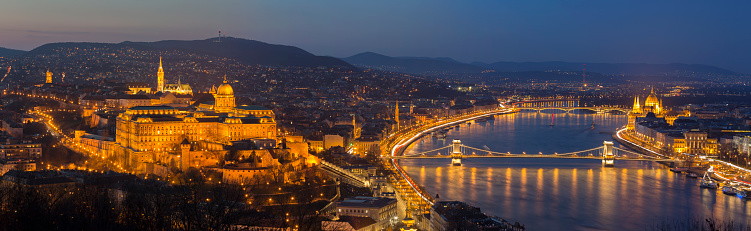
153,205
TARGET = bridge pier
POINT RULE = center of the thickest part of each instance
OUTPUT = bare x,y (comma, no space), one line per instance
456,153
608,159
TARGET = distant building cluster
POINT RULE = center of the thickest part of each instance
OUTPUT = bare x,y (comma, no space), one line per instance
16,150
693,131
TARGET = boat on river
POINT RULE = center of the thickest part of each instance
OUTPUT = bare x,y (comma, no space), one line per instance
552,119
728,189
742,192
692,175
707,182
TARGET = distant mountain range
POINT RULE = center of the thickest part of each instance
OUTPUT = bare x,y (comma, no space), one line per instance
412,65
628,69
243,50
426,65
253,52
5,52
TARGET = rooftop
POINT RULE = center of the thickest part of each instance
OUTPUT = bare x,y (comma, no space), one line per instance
252,107
372,202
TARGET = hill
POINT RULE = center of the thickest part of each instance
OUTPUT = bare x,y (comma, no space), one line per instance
5,52
411,65
248,52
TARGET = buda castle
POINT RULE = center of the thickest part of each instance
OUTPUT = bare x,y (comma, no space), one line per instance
209,132
158,139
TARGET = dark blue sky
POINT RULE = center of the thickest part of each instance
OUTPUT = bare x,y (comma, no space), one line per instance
664,31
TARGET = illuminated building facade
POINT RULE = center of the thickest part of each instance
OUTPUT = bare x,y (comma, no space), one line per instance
136,87
162,86
49,77
160,77
152,133
644,122
652,104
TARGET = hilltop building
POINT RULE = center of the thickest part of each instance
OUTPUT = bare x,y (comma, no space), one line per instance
161,85
49,77
159,139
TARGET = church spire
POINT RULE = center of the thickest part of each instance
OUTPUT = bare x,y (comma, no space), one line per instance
396,114
637,107
160,76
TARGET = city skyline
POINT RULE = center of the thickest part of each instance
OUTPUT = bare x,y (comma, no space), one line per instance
346,115
580,31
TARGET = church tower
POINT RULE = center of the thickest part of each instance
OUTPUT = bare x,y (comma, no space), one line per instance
160,77
396,115
49,77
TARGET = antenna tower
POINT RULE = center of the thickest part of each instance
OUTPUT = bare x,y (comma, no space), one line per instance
584,75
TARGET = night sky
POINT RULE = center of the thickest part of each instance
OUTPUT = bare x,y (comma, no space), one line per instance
664,31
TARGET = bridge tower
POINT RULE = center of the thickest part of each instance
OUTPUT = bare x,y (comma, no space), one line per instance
456,154
608,159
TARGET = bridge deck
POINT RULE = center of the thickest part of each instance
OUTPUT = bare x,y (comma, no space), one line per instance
524,156
576,108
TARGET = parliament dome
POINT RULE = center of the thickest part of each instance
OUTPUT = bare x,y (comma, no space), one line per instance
652,100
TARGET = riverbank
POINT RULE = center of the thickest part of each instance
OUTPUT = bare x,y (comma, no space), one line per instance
721,167
561,194
621,139
407,188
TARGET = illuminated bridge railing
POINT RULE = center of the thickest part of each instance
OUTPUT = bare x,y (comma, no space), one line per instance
472,152
570,109
548,103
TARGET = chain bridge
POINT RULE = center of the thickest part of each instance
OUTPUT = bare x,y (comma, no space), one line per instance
457,151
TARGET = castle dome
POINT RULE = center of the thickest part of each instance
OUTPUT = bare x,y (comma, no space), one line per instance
225,89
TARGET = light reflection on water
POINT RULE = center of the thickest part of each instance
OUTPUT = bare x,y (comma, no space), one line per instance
564,194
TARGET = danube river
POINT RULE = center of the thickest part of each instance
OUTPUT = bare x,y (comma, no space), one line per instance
564,194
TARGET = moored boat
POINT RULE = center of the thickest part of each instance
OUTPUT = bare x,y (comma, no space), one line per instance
742,192
692,175
707,182
728,190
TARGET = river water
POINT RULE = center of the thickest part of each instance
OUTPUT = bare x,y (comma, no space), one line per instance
564,194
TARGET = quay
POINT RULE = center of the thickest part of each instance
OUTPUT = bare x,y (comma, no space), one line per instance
411,196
